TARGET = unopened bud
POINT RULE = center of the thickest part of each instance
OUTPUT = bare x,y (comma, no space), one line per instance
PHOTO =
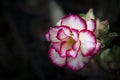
102,27
90,14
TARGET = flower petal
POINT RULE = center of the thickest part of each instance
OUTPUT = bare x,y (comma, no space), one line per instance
53,33
79,62
97,49
55,58
88,42
63,48
47,35
74,21
91,25
76,45
74,51
61,34
56,46
75,34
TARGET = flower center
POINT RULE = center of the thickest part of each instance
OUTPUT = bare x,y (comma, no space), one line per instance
69,42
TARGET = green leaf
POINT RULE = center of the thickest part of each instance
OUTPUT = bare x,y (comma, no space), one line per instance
83,15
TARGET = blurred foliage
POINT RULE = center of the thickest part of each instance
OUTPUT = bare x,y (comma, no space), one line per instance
108,58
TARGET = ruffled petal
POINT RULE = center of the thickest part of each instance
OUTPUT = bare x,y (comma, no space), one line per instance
74,21
76,45
74,51
64,32
61,34
55,58
79,62
75,34
88,42
91,25
53,34
97,49
56,46
63,48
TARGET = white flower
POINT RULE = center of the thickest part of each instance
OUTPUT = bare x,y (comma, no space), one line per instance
73,42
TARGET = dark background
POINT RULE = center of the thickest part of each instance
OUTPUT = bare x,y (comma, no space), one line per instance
23,48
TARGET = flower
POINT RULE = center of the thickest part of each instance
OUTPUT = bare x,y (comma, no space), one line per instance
73,42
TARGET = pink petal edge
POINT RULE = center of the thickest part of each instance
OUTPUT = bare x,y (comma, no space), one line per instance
74,51
61,34
56,46
63,49
55,58
74,21
77,63
53,33
74,34
88,42
97,49
47,36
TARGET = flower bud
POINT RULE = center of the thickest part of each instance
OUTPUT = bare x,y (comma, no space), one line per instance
102,27
90,14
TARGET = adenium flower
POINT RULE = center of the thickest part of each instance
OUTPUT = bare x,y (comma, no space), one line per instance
73,42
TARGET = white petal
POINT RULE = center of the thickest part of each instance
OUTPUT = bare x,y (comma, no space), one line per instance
88,42
53,34
66,30
75,34
76,45
74,21
91,25
63,48
72,53
56,46
61,34
74,50
55,58
78,63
